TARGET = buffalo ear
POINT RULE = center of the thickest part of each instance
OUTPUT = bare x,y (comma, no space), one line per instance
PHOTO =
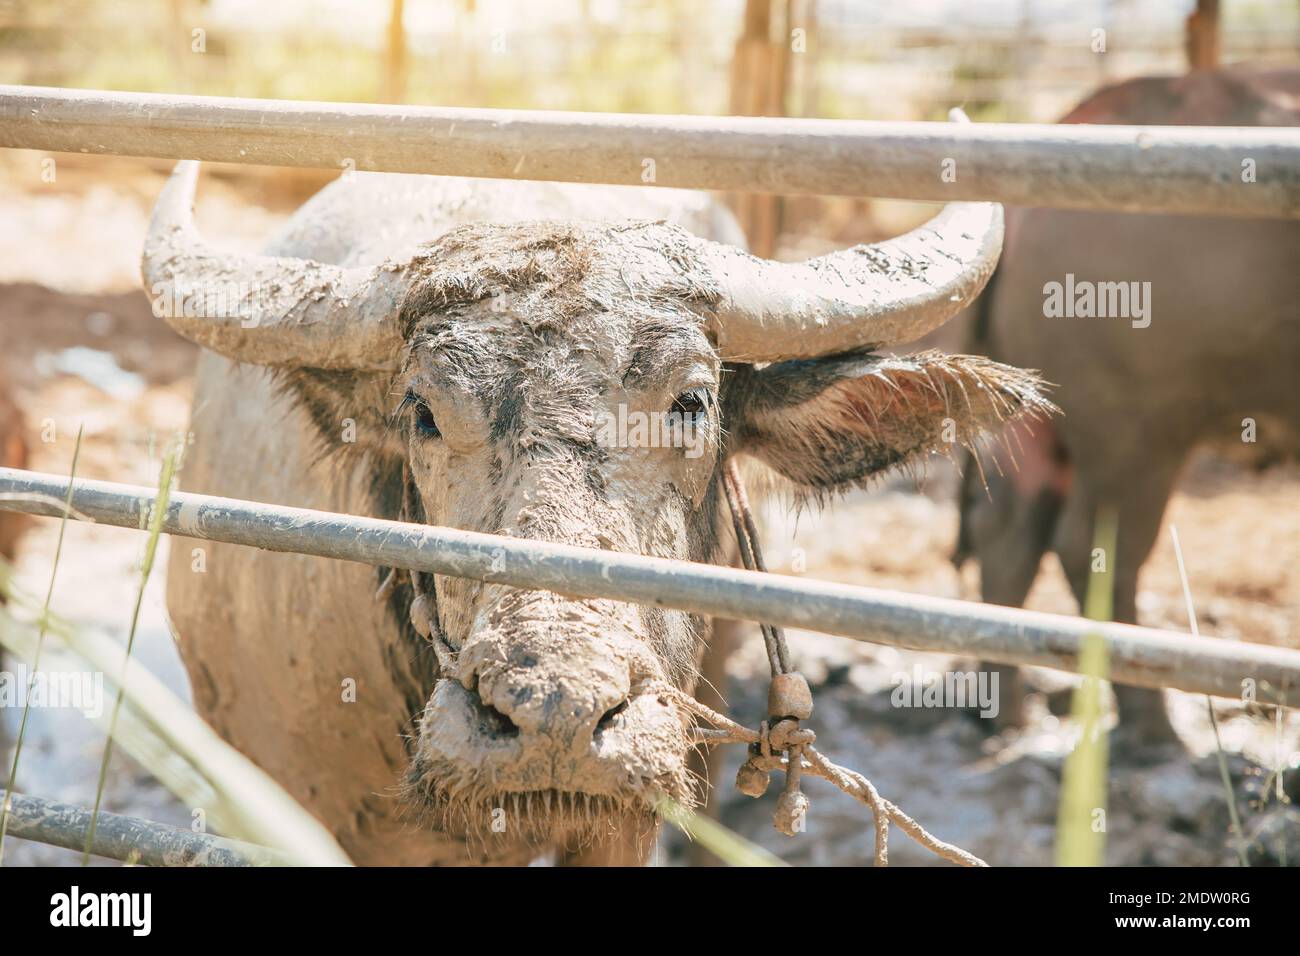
830,424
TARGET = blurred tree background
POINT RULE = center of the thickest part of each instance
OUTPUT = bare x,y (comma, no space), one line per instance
1002,60
1018,60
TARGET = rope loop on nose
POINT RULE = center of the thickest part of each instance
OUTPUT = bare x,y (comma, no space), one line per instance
423,612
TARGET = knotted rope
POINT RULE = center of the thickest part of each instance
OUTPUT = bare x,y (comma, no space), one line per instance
780,743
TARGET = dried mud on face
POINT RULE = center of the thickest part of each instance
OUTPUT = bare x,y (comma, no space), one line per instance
80,346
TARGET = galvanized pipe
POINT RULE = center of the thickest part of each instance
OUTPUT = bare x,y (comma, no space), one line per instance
1241,171
128,839
1138,655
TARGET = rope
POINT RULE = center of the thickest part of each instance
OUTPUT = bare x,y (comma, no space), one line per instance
789,700
763,760
751,555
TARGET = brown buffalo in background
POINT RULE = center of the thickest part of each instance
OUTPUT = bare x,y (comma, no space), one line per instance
1222,346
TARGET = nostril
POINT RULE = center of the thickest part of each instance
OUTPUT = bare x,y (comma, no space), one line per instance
607,719
491,722
498,724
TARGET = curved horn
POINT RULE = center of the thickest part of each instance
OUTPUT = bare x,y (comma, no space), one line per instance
267,310
883,294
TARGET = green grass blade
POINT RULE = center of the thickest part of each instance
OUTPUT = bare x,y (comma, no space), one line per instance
12,783
164,734
1081,819
728,846
165,476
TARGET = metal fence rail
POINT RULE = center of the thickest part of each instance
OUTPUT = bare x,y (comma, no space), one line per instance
1175,169
1138,655
129,839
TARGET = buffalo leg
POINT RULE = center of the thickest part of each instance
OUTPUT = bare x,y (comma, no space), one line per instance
1008,532
1141,500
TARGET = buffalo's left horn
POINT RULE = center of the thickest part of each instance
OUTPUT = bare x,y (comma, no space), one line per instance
876,295
267,310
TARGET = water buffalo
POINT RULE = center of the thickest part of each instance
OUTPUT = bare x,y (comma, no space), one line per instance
1211,339
471,334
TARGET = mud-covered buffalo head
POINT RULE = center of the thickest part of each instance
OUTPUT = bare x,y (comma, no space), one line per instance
584,382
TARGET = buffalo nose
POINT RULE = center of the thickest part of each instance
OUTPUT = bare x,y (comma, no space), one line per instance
497,724
570,708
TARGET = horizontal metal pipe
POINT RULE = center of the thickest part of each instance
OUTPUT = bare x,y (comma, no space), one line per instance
1138,655
1243,171
125,838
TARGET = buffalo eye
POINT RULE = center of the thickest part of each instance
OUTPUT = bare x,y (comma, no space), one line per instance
424,422
692,405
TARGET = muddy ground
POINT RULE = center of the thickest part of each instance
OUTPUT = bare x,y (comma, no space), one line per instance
81,348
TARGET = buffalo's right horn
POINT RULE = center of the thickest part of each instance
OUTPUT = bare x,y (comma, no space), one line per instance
268,310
